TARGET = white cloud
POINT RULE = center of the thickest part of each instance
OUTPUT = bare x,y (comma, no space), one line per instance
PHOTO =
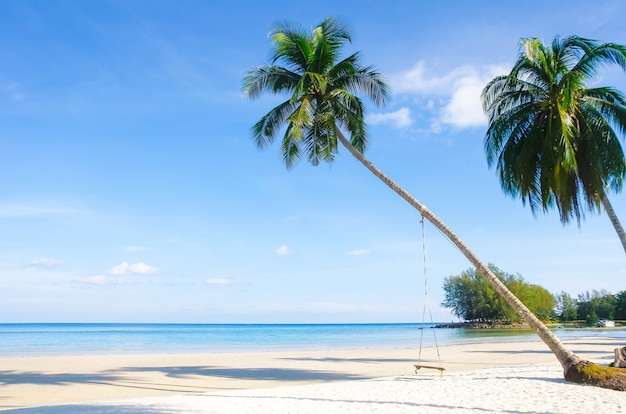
458,92
465,107
219,281
282,250
359,252
46,262
137,268
101,280
112,276
417,80
94,280
32,210
399,119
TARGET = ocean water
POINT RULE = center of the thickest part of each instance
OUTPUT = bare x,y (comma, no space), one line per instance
58,339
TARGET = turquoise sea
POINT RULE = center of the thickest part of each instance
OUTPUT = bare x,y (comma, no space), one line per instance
56,339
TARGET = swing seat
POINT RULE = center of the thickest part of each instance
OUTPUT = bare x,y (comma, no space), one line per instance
419,366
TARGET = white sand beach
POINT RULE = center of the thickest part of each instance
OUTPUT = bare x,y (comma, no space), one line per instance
504,377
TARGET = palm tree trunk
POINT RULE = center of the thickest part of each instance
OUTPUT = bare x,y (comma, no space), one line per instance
575,369
614,220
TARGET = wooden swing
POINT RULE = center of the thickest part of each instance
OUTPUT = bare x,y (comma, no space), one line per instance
419,364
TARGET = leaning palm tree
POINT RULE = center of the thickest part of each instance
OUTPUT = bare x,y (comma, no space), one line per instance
322,105
554,140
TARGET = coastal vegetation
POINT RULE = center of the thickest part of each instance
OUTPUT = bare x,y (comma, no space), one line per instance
591,306
476,303
322,105
472,299
554,140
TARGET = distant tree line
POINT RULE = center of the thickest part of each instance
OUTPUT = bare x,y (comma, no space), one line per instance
472,298
590,307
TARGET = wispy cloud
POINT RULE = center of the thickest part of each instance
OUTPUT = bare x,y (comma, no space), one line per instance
12,210
103,279
125,268
398,119
419,80
219,281
282,250
13,91
46,262
113,276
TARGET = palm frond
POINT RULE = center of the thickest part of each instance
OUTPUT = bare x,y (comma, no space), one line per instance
266,129
597,56
608,102
292,45
511,108
302,116
534,65
350,112
327,40
600,145
290,147
320,142
270,78
366,80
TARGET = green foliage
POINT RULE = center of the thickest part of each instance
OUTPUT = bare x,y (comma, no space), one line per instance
601,303
555,141
472,298
620,305
321,88
565,308
591,319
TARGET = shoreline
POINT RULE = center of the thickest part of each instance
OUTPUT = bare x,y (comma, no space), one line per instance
123,339
35,381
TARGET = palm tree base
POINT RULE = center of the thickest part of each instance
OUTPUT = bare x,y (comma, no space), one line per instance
586,372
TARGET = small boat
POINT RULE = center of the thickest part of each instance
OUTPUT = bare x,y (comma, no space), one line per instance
605,323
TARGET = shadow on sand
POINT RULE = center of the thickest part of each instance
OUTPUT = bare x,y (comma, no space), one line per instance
266,374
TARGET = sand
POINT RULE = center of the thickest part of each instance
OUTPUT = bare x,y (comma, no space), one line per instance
509,377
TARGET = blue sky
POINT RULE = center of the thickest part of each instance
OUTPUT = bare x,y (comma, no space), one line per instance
130,190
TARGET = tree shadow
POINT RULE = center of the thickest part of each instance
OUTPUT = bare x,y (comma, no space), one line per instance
109,379
361,360
504,351
267,374
40,378
91,409
611,343
367,405
379,405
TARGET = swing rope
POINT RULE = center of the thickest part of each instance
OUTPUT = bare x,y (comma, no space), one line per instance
427,307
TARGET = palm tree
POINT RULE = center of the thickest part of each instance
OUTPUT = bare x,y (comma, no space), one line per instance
554,140
321,105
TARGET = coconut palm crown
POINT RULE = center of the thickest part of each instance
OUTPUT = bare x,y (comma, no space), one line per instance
305,65
556,141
